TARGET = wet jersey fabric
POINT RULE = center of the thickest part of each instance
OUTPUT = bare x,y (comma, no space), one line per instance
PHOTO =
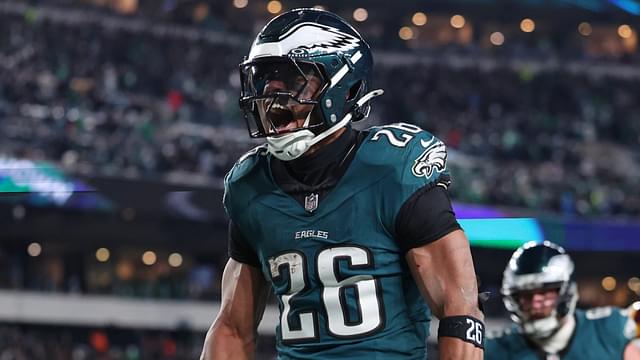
600,334
341,280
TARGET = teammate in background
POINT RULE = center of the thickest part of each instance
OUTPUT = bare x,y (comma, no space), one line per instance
353,231
541,294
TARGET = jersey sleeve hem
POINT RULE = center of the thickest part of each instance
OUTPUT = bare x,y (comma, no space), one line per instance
243,260
429,239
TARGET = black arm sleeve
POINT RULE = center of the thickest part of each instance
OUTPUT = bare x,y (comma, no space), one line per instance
425,217
239,248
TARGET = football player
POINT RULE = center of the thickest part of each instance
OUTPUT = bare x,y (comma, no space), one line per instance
353,231
540,293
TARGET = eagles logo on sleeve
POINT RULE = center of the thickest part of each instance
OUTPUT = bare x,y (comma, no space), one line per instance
433,158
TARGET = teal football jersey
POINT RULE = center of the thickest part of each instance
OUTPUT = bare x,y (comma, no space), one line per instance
343,285
600,334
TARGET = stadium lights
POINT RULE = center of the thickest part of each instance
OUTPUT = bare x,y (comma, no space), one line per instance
321,7
585,28
527,25
496,38
405,33
457,21
624,31
240,4
124,270
360,14
149,258
126,6
175,260
419,19
609,283
274,6
34,249
103,254
634,285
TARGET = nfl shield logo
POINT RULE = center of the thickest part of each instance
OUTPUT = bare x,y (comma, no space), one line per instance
311,202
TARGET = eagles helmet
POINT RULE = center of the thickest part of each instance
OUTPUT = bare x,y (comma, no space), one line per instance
312,61
540,266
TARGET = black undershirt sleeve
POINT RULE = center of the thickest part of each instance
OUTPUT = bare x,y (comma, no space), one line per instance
239,248
425,217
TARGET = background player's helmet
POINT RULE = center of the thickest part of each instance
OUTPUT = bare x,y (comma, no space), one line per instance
540,266
297,48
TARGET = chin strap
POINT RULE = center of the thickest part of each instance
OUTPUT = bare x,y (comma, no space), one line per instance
291,146
560,338
541,328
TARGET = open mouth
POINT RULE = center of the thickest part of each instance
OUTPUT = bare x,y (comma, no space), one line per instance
282,118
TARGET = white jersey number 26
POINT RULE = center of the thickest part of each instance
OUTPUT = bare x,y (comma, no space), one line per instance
333,290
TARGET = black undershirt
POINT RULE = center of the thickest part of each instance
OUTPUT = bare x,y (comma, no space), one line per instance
425,217
319,172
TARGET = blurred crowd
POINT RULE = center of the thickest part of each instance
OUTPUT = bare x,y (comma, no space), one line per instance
113,95
114,102
107,99
545,140
24,342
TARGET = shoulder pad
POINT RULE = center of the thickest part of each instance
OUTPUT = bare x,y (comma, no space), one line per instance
424,156
613,321
598,312
246,163
237,181
399,135
504,332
